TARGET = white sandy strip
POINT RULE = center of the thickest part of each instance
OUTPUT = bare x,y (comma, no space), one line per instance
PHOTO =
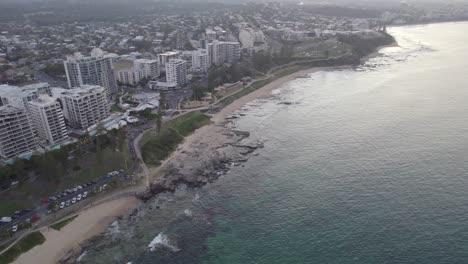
88,224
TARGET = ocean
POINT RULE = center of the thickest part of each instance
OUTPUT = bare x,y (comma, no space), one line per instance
363,165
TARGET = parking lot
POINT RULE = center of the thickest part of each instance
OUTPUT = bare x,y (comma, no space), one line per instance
67,198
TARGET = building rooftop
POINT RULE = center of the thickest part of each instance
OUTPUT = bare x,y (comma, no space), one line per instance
177,61
8,109
123,65
82,91
145,61
169,53
15,91
43,100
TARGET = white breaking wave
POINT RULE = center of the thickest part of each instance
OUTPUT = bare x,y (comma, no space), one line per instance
161,241
187,212
80,258
114,228
196,198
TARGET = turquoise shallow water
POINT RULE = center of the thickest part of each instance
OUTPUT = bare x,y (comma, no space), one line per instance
366,166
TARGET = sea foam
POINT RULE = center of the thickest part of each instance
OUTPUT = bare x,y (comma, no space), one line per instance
162,241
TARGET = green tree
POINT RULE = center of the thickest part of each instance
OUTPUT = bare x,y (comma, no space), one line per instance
159,120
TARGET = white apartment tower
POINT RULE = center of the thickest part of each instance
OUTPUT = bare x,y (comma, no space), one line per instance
147,68
48,120
176,72
16,132
200,61
167,56
86,106
93,70
224,52
21,96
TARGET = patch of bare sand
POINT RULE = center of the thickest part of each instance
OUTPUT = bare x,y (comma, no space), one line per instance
89,223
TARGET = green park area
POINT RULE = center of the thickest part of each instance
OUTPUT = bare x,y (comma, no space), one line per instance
44,175
158,145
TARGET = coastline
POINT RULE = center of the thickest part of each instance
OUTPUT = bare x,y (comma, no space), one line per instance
196,162
89,223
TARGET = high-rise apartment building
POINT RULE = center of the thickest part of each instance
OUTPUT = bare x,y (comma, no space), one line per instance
48,121
96,69
85,106
20,96
16,132
167,56
176,72
200,61
147,68
221,52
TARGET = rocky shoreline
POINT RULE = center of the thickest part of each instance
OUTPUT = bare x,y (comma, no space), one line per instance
205,160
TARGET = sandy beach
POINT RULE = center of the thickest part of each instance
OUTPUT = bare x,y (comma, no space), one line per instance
194,161
89,223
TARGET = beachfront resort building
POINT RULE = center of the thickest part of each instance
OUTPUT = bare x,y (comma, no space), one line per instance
20,96
16,132
85,106
48,121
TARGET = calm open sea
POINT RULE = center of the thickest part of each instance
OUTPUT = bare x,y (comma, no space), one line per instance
368,165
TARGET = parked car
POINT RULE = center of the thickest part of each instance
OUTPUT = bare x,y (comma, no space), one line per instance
74,200
85,194
14,183
79,187
14,228
67,203
6,219
53,198
35,218
78,198
27,210
62,205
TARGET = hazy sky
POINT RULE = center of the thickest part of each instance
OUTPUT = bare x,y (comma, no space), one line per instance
371,2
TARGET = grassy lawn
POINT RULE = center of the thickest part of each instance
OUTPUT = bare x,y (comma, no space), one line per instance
7,208
24,245
116,108
156,146
188,123
58,226
92,166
